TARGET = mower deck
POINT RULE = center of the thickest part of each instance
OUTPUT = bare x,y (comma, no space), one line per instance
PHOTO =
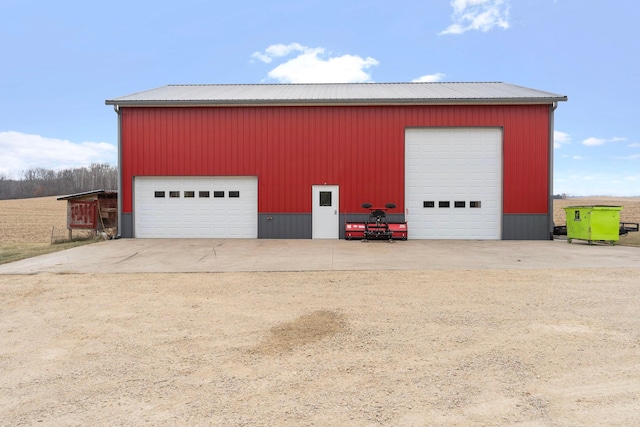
376,227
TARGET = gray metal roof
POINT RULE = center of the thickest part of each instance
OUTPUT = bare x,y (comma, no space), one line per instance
340,93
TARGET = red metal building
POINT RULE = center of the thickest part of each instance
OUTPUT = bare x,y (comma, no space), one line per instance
460,160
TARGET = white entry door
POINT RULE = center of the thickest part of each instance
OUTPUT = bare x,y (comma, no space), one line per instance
325,210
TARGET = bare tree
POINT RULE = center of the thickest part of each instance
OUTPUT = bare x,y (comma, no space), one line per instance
39,182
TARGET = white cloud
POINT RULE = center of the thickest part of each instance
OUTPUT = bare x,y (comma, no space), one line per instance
480,15
560,139
593,141
577,158
634,145
277,51
629,157
311,65
22,151
429,78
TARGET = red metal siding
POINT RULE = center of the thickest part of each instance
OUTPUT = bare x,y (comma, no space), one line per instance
361,148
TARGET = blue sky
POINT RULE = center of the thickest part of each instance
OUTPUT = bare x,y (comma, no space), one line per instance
61,60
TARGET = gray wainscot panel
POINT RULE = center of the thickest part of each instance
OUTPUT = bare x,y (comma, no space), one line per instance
526,227
284,226
125,228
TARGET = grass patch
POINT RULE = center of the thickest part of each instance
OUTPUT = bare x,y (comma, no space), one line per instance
10,252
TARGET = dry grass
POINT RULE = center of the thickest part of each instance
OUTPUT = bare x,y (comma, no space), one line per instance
10,252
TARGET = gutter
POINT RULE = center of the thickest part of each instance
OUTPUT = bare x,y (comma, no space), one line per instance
116,108
551,148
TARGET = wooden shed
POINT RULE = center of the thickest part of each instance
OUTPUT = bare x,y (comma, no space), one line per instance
95,211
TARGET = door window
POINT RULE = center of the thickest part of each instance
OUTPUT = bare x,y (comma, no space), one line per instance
325,198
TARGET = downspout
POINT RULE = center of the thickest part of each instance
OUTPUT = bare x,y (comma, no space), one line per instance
116,108
551,148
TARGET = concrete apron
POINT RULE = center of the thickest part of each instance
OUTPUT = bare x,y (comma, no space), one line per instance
228,255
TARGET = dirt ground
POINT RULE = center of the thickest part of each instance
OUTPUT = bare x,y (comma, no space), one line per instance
401,348
551,347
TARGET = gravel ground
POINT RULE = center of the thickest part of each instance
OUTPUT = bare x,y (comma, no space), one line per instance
401,348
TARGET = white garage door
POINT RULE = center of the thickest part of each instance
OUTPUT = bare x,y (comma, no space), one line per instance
196,207
453,183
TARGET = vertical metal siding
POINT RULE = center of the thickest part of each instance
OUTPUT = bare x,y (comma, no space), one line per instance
526,168
361,148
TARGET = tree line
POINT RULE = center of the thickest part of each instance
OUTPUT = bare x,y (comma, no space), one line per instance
40,182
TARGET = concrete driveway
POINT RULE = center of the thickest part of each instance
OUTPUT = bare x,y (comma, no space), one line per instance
226,255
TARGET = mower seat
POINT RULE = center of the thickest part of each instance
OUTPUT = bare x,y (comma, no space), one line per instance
378,214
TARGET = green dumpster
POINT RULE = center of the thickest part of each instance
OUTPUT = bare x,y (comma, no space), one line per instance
593,223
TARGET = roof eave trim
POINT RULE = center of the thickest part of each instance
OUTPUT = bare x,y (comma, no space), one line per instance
314,102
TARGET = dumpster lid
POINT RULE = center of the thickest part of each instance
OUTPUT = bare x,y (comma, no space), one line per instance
603,207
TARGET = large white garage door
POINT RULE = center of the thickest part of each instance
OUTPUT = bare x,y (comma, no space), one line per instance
453,183
196,207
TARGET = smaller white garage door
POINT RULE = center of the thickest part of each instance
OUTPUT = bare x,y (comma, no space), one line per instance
196,207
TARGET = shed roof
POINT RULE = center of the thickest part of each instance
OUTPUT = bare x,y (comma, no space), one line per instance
89,193
338,93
